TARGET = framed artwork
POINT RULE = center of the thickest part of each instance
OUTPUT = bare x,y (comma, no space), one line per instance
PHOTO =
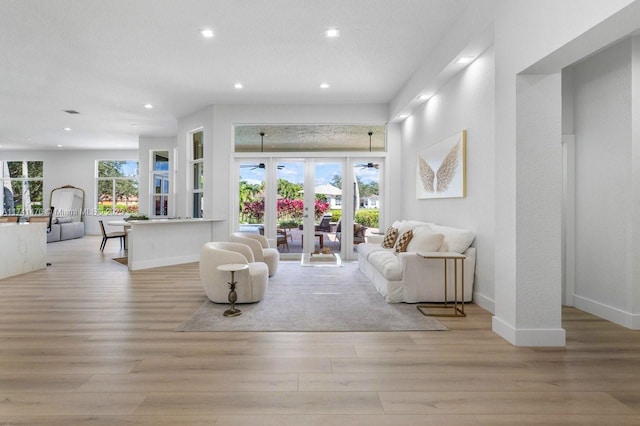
441,168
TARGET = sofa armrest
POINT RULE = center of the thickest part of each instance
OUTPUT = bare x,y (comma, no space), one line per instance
375,238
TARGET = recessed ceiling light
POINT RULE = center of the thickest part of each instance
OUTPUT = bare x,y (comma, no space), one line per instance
465,60
67,129
403,116
325,85
134,125
332,33
238,86
59,146
148,106
206,33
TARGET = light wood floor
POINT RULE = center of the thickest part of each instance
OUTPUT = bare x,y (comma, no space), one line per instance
88,342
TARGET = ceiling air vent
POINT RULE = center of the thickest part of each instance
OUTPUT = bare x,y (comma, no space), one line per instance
71,111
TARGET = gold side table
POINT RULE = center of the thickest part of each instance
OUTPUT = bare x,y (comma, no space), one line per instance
458,310
233,296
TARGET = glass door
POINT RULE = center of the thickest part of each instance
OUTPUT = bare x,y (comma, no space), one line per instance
366,200
303,205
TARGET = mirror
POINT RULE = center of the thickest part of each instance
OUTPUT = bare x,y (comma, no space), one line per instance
67,201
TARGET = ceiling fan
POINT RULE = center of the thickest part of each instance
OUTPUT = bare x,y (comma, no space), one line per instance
259,166
368,165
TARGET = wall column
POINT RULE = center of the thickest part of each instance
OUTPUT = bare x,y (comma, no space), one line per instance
529,313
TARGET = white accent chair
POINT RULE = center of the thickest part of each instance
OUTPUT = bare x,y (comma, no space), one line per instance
251,283
262,251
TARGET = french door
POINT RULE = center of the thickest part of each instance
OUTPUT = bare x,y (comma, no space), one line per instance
304,205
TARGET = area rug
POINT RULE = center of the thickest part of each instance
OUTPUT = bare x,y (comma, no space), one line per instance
314,299
121,260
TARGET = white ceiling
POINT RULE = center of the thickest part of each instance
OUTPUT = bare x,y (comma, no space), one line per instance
106,59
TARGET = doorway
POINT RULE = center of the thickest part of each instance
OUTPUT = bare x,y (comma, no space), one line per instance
301,204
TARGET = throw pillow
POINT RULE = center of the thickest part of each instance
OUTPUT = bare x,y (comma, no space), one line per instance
425,239
403,241
390,237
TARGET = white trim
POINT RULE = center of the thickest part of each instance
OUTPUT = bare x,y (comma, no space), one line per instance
484,302
568,219
548,337
615,315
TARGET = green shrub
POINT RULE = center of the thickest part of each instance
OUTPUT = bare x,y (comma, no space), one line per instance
367,217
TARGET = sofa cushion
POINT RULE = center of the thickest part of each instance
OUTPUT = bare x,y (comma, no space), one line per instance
425,239
63,219
387,264
403,241
455,239
365,249
390,237
409,225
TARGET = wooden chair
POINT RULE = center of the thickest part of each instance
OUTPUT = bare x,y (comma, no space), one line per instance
282,238
107,235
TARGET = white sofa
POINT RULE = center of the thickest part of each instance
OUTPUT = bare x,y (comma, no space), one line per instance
407,277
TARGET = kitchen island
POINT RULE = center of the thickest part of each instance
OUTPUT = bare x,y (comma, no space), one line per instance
164,242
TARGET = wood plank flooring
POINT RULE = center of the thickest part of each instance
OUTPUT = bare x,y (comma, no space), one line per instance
86,342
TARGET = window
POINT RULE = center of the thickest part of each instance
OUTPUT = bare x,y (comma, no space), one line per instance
197,167
22,183
117,187
160,181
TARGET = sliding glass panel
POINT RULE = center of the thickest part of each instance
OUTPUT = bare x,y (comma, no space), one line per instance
251,196
328,205
366,200
290,205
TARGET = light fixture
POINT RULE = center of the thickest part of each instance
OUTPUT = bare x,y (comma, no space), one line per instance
148,106
238,86
332,33
424,97
325,85
67,129
370,134
59,146
465,60
261,141
403,116
206,33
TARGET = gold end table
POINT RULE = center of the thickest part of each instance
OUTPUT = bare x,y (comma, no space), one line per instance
233,296
458,311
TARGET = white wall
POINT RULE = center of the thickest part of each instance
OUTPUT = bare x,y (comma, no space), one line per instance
553,34
604,193
77,168
219,120
465,102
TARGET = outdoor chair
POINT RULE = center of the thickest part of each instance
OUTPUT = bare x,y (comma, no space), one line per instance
325,224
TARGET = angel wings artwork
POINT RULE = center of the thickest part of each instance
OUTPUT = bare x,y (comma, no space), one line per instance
441,169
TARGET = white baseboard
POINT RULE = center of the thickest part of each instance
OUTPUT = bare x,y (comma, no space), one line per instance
529,337
169,261
484,302
615,315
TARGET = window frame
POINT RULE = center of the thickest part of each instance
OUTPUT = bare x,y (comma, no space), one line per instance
8,179
113,180
196,164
